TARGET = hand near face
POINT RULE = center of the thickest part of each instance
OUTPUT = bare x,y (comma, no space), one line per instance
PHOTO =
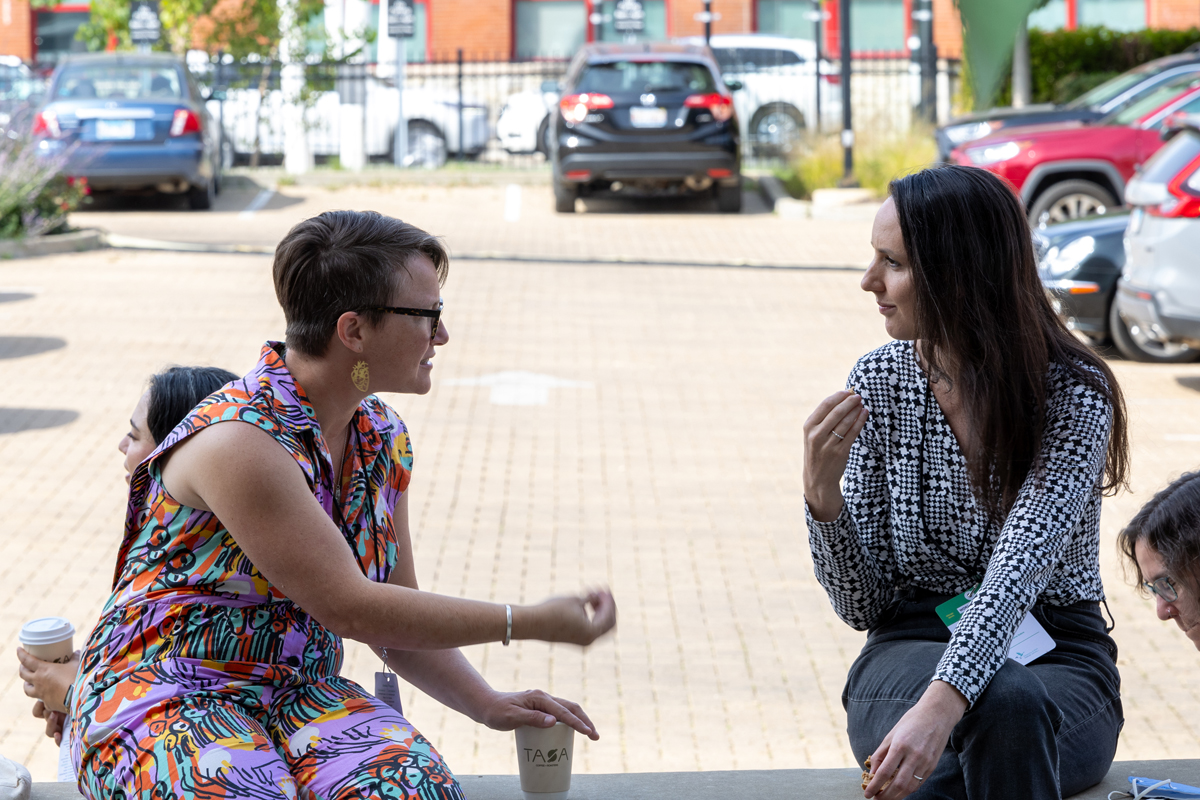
828,434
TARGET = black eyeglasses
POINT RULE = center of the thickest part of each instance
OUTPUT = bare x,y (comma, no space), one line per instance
433,313
1164,588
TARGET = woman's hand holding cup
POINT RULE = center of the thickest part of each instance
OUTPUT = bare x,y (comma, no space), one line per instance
828,434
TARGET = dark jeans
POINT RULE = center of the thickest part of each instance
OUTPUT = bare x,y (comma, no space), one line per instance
1046,730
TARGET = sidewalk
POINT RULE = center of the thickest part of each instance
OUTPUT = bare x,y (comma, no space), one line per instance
666,464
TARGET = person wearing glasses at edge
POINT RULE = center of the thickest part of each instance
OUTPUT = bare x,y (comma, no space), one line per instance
974,450
1162,544
252,549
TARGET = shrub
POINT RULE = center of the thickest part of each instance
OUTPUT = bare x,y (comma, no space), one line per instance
35,197
1064,64
877,160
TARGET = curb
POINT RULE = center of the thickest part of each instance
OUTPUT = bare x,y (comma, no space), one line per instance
779,201
135,243
53,244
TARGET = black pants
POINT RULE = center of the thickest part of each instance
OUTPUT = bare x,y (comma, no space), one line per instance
1045,730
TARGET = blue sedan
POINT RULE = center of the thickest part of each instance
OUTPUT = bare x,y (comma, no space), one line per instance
131,122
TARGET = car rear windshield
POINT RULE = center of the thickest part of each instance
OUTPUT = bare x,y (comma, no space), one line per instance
1153,100
646,76
750,58
119,82
1170,161
1111,88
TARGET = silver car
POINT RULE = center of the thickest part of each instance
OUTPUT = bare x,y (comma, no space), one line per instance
1158,295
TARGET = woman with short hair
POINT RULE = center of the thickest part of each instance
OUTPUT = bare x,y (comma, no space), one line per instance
975,450
1162,544
251,549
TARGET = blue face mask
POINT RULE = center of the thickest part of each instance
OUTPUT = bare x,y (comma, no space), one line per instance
1166,790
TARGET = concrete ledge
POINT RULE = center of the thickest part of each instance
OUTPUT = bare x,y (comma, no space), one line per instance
70,242
774,784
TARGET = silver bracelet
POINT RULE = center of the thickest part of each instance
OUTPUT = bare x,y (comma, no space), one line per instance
508,628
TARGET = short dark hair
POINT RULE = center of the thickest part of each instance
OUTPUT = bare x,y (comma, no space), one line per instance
983,314
176,391
1169,525
343,261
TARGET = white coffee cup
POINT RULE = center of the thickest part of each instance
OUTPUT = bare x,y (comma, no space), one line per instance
49,638
544,756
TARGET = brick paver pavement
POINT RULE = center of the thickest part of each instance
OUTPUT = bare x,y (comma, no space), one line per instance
670,470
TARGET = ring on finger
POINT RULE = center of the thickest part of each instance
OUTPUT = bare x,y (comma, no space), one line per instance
918,777
840,436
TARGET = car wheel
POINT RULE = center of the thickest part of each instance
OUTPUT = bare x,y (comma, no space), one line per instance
200,198
1070,200
1137,345
543,137
564,198
775,129
426,145
729,199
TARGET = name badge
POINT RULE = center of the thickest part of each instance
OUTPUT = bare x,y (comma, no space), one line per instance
1029,642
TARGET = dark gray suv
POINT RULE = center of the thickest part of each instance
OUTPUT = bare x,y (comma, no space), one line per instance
644,119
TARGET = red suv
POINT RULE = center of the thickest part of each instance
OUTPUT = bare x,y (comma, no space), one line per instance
1070,170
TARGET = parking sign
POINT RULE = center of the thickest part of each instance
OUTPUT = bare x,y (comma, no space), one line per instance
401,19
144,26
629,16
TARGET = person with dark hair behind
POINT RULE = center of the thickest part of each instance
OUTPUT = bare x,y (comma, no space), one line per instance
974,452
272,522
172,394
1162,544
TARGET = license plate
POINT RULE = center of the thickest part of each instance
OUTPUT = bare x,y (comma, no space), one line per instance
115,129
641,117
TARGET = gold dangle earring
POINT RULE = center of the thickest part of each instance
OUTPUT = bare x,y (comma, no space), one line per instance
360,376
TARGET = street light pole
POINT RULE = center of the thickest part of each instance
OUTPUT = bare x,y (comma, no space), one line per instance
847,120
707,21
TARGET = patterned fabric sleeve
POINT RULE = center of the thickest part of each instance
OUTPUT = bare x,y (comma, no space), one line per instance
852,554
1038,527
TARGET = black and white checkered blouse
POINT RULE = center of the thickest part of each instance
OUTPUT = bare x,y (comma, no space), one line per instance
1046,551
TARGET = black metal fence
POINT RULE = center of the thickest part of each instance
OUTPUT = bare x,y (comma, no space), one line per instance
498,111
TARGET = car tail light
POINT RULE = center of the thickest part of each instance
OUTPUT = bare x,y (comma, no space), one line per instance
1183,194
720,172
833,79
578,175
185,121
45,123
721,106
575,107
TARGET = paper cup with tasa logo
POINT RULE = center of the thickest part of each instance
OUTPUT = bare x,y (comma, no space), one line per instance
49,638
544,756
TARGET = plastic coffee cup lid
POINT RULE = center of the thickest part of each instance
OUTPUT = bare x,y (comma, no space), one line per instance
46,630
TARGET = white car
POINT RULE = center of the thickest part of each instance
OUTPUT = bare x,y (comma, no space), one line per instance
432,116
524,122
778,99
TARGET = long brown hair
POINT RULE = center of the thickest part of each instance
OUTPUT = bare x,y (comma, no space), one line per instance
984,319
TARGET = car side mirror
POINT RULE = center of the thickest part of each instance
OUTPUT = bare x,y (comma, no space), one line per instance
733,86
215,94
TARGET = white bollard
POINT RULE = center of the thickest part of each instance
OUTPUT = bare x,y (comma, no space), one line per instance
297,157
351,152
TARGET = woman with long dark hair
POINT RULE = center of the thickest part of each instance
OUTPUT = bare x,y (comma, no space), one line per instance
974,450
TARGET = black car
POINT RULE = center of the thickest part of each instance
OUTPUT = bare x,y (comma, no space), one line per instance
1080,262
1106,98
646,119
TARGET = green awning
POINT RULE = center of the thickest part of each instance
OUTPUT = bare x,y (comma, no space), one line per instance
989,31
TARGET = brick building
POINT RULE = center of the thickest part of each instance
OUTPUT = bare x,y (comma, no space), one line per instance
555,28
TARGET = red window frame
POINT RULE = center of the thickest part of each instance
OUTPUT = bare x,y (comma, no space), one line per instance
64,8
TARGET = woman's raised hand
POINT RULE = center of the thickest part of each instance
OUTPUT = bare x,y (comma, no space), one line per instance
577,620
828,434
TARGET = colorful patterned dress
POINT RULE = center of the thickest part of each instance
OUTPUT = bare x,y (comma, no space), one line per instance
201,680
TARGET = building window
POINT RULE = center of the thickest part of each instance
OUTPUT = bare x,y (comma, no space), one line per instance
1050,17
786,18
550,28
1119,15
655,23
54,36
876,25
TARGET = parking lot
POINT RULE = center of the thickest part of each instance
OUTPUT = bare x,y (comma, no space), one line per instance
647,436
